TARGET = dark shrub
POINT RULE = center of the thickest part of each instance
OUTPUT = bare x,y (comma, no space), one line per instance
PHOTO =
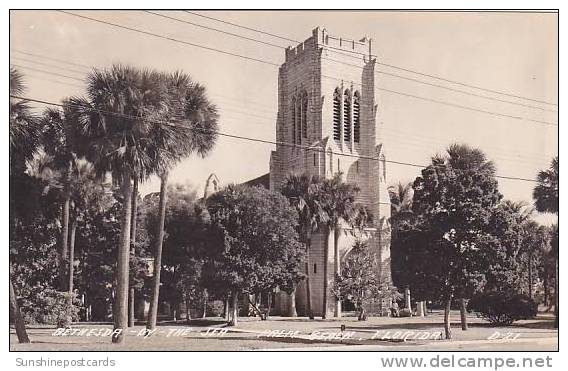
51,307
502,308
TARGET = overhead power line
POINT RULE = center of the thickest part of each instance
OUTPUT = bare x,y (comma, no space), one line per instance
242,137
234,109
169,38
472,86
47,65
215,29
245,28
277,65
442,86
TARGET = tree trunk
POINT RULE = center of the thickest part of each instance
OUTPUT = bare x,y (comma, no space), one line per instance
17,316
205,299
131,298
308,281
463,314
556,297
133,225
420,309
337,267
407,299
424,308
71,260
292,304
187,308
325,273
269,304
530,276
362,313
447,325
227,309
233,318
153,313
64,243
122,277
546,293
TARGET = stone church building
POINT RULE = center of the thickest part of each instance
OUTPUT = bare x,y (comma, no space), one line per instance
327,124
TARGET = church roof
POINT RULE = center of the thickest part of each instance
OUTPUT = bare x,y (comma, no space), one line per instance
263,181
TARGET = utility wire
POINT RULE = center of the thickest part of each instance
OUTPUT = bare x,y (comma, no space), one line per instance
241,137
51,58
441,86
168,38
385,64
354,65
244,27
214,29
48,65
277,65
236,110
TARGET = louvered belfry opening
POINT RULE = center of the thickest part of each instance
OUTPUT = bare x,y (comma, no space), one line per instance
337,115
356,117
347,117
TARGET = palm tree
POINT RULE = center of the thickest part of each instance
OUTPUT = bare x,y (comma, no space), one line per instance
25,138
60,146
116,122
545,195
193,128
339,205
303,194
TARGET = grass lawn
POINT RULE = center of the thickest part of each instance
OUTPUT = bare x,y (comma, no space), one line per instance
253,334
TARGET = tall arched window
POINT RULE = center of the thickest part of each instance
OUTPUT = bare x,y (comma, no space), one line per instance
356,117
305,115
347,116
337,115
294,120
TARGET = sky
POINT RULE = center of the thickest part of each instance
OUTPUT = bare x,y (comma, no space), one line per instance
514,53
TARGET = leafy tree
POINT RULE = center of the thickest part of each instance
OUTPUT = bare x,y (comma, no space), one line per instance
254,245
359,280
303,192
454,200
186,223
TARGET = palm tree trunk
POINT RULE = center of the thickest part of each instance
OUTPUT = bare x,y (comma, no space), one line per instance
325,272
463,314
122,277
336,266
17,316
71,260
131,295
153,313
447,324
308,281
